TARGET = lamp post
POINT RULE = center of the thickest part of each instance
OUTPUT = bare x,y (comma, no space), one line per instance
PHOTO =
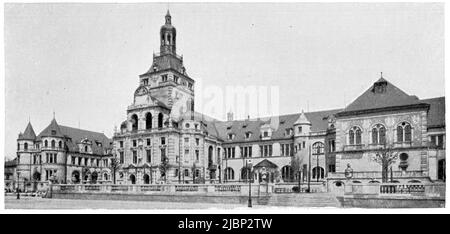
299,180
309,170
18,185
249,170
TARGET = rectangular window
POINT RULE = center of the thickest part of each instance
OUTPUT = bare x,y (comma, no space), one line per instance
121,157
197,155
149,156
440,141
134,156
163,140
331,168
175,79
186,140
433,141
134,143
148,141
197,141
164,78
145,81
121,144
163,155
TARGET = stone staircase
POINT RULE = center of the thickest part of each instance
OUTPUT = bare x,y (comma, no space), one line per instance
304,200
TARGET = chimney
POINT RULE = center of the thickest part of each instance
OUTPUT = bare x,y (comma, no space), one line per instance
230,116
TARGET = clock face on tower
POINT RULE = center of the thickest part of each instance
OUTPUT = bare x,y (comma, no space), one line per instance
141,91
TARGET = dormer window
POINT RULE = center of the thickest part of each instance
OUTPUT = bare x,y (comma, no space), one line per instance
265,134
145,81
229,127
175,79
53,132
86,148
288,131
248,135
230,136
299,129
164,78
190,85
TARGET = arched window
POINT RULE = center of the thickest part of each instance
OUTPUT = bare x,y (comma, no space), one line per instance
132,179
160,120
148,120
379,135
60,144
404,132
46,143
354,136
318,173
318,148
86,148
134,122
229,173
146,179
245,173
105,176
186,172
53,144
25,146
287,173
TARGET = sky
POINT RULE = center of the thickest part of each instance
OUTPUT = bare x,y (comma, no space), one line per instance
81,62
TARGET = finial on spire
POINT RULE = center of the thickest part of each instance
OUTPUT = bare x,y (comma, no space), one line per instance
381,74
53,114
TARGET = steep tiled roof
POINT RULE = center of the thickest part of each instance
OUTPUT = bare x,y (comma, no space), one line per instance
318,119
28,134
75,135
436,113
11,163
390,97
167,61
52,130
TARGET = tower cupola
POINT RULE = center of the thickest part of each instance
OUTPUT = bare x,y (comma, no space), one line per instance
168,35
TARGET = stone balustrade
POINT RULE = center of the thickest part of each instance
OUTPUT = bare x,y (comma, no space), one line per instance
231,189
389,189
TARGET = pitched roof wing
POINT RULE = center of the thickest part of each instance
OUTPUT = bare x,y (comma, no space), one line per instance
391,97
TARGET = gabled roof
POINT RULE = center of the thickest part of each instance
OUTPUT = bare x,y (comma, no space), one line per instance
436,113
52,130
302,119
28,134
266,163
372,99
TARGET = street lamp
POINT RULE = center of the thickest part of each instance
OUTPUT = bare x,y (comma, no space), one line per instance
249,170
18,185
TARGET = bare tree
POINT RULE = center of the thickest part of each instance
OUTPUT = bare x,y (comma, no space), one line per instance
163,167
296,164
385,156
114,166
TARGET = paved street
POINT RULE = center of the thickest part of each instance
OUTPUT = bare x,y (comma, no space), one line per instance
43,203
